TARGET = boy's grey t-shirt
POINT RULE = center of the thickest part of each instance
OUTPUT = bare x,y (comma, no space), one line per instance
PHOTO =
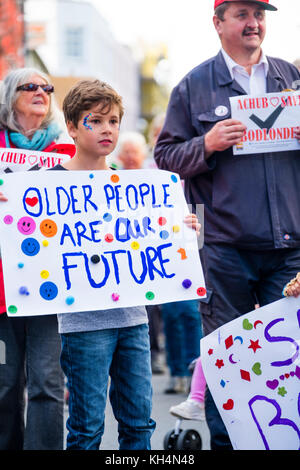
100,319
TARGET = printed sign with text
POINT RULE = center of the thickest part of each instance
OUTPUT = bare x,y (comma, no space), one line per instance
12,160
271,121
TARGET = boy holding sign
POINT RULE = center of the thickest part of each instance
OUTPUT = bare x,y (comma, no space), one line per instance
107,343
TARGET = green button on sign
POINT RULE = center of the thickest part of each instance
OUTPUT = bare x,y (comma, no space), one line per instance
150,295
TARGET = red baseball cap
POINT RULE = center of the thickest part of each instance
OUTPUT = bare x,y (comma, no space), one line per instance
264,3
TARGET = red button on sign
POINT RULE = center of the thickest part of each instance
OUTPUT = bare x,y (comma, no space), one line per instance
201,291
109,238
162,221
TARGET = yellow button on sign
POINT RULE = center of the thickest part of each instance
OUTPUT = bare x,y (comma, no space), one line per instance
44,274
135,245
176,228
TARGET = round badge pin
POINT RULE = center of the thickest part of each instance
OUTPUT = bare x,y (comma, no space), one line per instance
221,110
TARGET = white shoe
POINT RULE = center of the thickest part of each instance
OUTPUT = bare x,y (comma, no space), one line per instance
189,409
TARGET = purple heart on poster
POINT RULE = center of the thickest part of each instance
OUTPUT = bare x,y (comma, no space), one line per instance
272,384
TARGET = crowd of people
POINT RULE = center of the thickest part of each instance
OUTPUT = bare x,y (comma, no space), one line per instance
246,260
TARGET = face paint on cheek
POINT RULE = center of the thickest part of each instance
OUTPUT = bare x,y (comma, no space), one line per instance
85,122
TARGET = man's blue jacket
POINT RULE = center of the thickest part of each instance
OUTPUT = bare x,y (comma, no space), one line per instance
251,201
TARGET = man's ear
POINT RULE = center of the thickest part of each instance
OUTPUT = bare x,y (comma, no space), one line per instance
72,129
218,24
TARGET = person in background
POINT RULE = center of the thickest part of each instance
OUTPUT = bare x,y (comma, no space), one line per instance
292,288
181,320
251,203
193,407
183,332
32,343
132,154
131,151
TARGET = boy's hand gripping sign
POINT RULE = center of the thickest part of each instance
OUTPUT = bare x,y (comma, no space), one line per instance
252,368
86,241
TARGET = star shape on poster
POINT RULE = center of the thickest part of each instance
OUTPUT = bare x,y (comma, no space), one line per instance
282,391
219,363
254,345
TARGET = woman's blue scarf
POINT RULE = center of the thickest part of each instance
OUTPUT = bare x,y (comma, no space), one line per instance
39,141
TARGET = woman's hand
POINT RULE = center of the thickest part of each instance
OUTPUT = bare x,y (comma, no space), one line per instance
3,198
191,221
293,287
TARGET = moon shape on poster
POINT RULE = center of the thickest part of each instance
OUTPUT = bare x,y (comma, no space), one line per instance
239,338
231,360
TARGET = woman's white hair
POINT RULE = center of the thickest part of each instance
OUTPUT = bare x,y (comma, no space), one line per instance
133,138
9,95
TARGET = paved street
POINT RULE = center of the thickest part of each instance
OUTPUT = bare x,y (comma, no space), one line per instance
164,421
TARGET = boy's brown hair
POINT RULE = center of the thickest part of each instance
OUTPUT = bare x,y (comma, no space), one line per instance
87,93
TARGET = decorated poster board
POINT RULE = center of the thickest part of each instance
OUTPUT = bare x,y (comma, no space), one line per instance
271,120
13,159
252,369
78,241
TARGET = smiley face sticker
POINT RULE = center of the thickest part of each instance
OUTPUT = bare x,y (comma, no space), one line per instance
26,225
30,246
48,228
48,290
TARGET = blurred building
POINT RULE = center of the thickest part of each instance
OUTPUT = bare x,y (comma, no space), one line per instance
71,40
11,35
155,90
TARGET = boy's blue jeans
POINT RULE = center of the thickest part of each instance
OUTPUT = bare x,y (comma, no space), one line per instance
87,359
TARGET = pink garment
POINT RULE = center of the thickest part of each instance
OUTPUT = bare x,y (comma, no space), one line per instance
2,139
198,383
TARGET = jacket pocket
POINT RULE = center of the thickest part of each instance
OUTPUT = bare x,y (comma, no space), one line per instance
206,120
213,116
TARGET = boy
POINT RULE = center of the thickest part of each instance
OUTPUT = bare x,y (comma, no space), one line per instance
115,343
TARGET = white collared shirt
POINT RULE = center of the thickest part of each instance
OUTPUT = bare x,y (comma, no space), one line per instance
254,84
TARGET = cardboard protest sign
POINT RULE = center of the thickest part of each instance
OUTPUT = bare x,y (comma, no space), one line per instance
12,160
78,241
271,120
252,369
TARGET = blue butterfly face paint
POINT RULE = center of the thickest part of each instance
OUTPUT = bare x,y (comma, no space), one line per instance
85,122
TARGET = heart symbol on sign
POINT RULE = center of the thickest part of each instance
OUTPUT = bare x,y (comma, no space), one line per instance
274,101
272,384
31,201
32,159
257,368
228,405
247,325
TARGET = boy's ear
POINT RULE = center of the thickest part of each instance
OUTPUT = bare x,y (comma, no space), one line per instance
72,129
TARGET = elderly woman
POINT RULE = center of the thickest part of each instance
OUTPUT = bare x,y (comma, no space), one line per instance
32,343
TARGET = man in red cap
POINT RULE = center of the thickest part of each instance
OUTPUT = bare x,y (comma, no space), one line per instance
263,3
251,203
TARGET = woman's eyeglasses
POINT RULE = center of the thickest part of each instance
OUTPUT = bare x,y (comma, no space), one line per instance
34,86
